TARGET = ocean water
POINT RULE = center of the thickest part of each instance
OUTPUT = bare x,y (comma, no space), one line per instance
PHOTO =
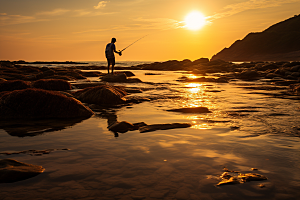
248,128
95,63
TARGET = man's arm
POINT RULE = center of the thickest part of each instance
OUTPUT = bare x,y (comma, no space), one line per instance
114,49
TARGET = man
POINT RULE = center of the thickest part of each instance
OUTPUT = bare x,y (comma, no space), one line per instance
110,56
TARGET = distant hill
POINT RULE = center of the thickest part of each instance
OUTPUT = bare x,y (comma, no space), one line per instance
280,42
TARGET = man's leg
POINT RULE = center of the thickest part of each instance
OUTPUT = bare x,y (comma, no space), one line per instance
108,64
113,62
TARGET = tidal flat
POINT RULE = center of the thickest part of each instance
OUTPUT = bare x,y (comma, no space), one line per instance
247,128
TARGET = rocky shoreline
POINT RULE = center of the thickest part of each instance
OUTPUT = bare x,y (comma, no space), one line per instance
54,98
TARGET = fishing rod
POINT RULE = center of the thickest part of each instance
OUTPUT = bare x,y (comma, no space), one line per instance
131,44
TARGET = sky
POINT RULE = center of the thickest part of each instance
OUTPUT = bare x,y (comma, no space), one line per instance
78,30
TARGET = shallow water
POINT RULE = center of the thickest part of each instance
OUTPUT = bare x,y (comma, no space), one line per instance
246,129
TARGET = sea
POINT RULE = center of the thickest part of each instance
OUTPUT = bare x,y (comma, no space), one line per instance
252,129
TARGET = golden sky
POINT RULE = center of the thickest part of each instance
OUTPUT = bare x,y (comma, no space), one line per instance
78,30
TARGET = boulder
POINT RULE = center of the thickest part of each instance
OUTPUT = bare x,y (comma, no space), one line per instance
121,127
116,78
13,85
102,95
127,73
248,75
12,171
201,61
191,110
34,103
52,84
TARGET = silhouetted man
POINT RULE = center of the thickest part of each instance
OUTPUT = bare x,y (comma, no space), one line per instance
110,56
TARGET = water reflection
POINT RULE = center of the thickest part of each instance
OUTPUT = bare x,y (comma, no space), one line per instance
24,128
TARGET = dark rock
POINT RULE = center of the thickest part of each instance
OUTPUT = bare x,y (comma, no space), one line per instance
66,78
295,88
295,68
90,74
13,85
131,90
152,74
127,73
121,127
295,74
155,127
138,125
116,78
87,84
133,80
192,110
36,103
12,171
248,75
70,73
201,61
102,95
52,84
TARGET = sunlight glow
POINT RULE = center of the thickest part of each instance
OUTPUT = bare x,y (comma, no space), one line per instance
195,20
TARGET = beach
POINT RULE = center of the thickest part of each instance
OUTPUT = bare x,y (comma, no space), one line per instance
248,130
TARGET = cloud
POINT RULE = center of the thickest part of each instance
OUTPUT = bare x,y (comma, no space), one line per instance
17,19
233,9
158,23
101,4
54,12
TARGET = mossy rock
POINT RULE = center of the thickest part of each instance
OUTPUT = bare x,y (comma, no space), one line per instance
52,84
102,95
13,85
34,103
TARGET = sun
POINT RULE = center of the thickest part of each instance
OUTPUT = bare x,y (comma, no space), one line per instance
194,20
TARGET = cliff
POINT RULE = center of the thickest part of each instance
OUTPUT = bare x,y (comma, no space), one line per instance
280,42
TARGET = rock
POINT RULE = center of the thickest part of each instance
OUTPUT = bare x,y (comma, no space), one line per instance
36,104
69,73
116,78
271,75
2,79
152,74
133,80
121,127
295,88
191,110
201,61
90,74
127,73
102,95
248,75
12,171
295,74
295,68
136,126
285,82
66,78
13,85
241,178
52,84
132,90
155,127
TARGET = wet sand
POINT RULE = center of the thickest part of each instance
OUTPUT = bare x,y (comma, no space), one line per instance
246,129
